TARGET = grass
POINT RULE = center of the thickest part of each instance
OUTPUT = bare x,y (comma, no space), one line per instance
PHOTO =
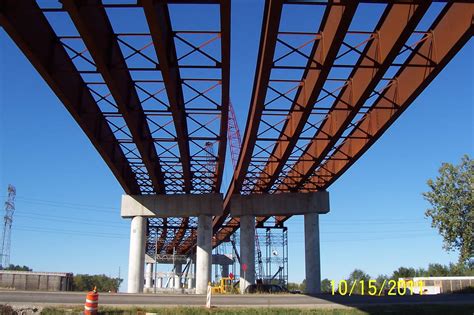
389,310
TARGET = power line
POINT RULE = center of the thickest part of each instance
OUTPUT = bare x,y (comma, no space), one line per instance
63,231
37,216
77,206
82,235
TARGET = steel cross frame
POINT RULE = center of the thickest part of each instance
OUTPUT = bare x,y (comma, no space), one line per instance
159,21
46,53
335,24
448,34
417,72
270,24
93,24
112,103
394,29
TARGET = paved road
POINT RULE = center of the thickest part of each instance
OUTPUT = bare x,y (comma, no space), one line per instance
42,298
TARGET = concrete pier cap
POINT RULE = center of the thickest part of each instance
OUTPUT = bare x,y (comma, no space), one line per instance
280,204
165,206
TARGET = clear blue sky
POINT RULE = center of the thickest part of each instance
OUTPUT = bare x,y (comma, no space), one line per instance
67,209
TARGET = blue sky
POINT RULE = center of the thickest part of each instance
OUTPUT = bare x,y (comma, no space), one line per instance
67,208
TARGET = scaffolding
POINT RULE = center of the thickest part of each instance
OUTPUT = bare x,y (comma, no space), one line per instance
273,243
275,254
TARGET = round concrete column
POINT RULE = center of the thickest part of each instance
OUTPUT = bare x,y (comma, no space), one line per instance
136,258
149,275
203,253
178,269
247,251
312,254
159,283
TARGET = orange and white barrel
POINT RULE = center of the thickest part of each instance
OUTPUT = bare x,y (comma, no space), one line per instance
92,303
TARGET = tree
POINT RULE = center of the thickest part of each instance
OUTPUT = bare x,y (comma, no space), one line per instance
303,285
452,200
18,268
382,280
326,286
403,272
437,270
356,276
292,286
102,282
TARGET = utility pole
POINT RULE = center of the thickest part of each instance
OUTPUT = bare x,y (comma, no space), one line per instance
7,228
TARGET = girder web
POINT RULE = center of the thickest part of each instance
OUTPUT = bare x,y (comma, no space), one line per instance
325,94
160,83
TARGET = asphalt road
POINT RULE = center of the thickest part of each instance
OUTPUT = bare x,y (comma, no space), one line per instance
287,300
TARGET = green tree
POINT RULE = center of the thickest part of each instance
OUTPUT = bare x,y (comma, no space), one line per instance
461,269
382,280
303,285
326,286
403,272
102,282
18,268
292,286
356,276
437,270
451,198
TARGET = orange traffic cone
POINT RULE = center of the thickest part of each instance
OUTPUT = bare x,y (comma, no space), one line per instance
92,303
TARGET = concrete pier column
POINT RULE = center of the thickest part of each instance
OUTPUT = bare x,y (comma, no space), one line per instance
159,283
149,275
136,259
247,251
225,271
178,269
312,254
203,253
190,283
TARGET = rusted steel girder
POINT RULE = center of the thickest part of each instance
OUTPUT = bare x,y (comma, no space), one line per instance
159,22
94,26
448,34
269,33
394,28
28,27
225,85
336,21
158,18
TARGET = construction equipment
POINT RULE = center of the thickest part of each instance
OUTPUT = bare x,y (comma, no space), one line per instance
233,136
226,285
232,240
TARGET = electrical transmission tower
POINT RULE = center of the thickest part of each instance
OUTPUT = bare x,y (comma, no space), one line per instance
7,228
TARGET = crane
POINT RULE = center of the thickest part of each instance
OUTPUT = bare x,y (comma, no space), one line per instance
235,143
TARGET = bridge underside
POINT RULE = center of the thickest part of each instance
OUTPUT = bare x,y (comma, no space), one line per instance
153,95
